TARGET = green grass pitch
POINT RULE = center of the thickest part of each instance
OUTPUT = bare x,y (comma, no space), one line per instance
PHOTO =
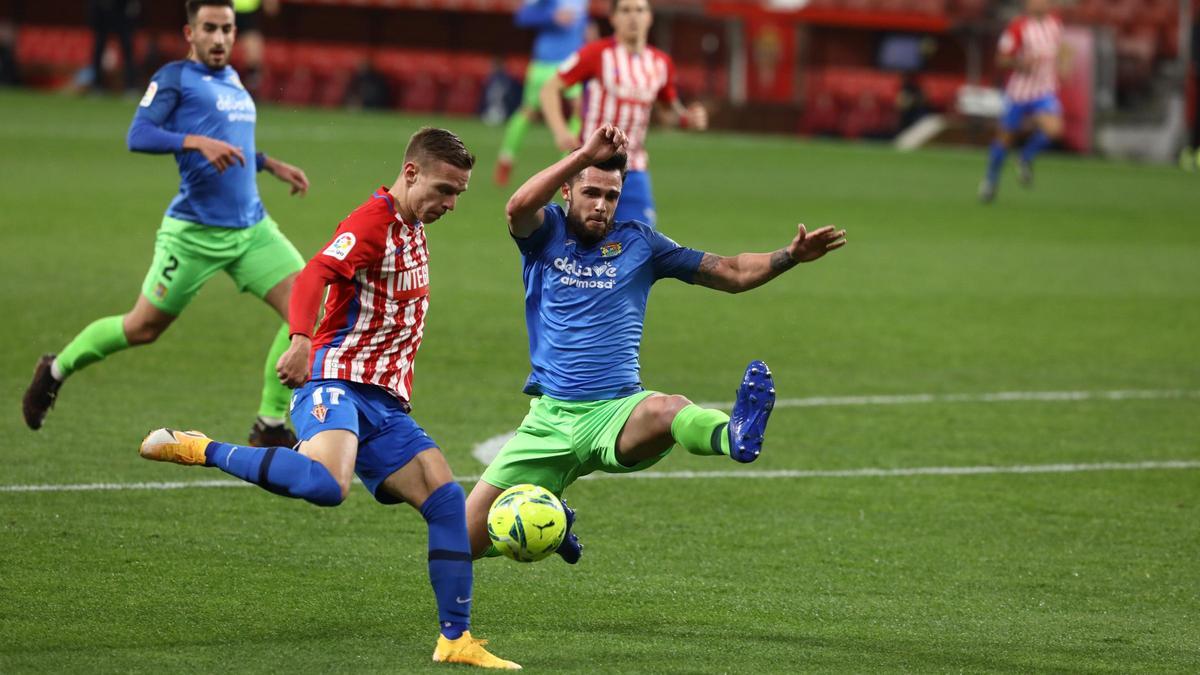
1088,283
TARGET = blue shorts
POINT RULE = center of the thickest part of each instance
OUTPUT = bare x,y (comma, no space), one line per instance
1015,114
637,202
387,437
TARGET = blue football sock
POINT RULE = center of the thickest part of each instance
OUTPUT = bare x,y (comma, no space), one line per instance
996,157
1039,142
279,470
450,569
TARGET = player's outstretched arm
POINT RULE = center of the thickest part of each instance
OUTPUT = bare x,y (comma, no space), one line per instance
524,209
292,175
743,272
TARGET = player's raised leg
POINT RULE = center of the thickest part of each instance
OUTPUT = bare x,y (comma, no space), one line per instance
660,421
319,473
100,339
427,484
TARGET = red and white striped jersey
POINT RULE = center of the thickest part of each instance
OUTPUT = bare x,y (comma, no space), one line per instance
621,90
375,311
1038,41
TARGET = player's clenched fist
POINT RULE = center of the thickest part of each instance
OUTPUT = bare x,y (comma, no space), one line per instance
292,367
604,142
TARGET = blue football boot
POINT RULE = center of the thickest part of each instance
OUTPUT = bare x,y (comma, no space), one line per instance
748,420
570,549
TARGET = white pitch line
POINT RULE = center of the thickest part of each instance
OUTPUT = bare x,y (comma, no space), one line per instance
485,451
1166,465
994,397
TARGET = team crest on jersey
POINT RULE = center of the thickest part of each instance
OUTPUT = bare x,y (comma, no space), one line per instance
151,92
341,247
319,411
160,291
610,249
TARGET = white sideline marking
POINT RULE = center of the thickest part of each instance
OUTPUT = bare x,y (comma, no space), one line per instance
696,475
995,397
487,450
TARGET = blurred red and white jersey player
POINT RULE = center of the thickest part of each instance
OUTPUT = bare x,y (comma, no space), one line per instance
624,79
1031,47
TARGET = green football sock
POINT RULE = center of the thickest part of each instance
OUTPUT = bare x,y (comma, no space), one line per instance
701,431
275,396
101,338
514,133
491,552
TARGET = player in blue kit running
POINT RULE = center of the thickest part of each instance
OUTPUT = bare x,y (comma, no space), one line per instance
587,279
198,110
561,27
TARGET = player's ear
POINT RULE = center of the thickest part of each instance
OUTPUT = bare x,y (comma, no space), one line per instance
566,192
411,170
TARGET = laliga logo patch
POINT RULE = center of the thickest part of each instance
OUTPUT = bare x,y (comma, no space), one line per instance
341,247
610,249
151,91
319,411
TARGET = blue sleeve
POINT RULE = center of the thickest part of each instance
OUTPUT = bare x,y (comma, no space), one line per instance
671,259
146,133
552,221
536,14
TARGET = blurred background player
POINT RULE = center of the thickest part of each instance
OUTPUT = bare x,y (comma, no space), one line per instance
561,26
587,278
198,110
353,412
625,77
113,17
1031,47
249,24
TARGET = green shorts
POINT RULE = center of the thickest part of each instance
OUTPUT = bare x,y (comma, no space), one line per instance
186,255
536,76
559,441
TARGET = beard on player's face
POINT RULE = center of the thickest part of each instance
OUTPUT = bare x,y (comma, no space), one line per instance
212,34
592,203
587,223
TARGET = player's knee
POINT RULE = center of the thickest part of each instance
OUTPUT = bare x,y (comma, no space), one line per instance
321,488
667,408
447,501
142,333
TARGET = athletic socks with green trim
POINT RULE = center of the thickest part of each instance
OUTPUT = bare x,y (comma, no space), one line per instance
701,431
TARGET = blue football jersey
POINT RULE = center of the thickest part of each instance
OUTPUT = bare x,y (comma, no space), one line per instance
585,306
186,97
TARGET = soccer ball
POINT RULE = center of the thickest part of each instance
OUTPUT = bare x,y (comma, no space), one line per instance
527,523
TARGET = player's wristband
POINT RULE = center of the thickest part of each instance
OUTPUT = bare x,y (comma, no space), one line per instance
260,161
